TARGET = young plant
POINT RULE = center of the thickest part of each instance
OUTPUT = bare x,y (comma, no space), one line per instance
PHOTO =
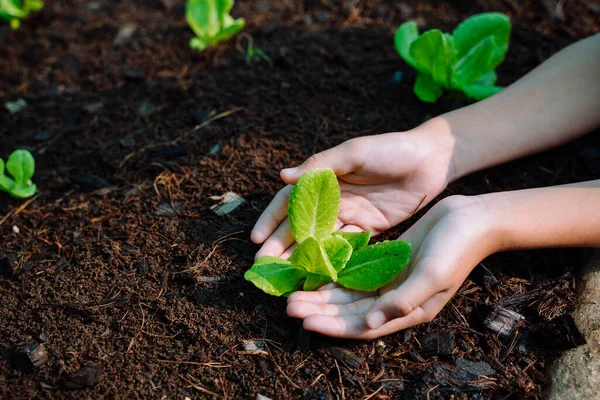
16,10
211,22
324,256
464,61
21,166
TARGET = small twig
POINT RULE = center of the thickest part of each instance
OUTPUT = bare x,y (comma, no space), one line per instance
199,388
431,390
279,368
340,378
418,207
316,380
377,391
19,209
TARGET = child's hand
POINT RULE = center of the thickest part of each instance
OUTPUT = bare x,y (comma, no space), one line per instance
384,179
448,242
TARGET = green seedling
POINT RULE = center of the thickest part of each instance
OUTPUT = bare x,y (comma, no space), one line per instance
16,10
21,166
252,52
211,22
464,61
324,256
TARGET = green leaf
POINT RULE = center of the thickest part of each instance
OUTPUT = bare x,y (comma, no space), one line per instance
21,166
405,35
480,92
426,89
433,53
198,44
314,281
474,30
203,17
311,256
314,204
33,5
274,276
6,184
488,79
357,240
338,251
230,31
474,64
13,8
375,266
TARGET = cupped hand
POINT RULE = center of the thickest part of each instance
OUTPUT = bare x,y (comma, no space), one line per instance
448,242
384,179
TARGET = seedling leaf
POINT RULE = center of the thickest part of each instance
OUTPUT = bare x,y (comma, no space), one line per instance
405,35
311,256
313,205
338,251
6,184
373,267
474,30
480,92
275,276
211,22
357,240
433,52
314,281
474,64
21,166
426,89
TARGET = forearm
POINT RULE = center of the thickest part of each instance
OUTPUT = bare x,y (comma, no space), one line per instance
557,102
559,216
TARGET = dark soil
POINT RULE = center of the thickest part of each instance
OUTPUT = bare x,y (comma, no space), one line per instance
102,298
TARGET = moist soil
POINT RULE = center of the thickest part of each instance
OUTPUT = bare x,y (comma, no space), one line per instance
119,281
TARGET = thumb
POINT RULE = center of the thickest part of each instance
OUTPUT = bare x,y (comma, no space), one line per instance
343,159
399,302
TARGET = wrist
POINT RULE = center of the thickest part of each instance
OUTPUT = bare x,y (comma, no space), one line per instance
435,137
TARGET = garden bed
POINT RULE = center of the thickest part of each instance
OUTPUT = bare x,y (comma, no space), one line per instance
134,287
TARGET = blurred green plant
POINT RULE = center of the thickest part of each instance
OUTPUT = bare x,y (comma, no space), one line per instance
251,53
21,166
14,11
211,22
464,61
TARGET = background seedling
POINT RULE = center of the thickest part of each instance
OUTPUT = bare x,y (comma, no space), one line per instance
16,10
464,61
322,256
211,22
21,166
251,52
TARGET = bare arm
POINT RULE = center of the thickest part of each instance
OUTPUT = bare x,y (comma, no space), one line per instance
556,102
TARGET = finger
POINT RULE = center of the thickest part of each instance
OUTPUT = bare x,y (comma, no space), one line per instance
343,159
288,252
350,228
402,301
354,326
303,309
332,296
329,286
272,217
278,242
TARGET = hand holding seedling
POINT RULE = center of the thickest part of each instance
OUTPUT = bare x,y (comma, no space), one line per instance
384,178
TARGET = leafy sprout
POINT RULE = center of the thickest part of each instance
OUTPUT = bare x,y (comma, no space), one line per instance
251,52
21,166
16,10
211,22
324,256
462,62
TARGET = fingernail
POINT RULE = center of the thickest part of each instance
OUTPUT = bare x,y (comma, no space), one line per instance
289,171
375,320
